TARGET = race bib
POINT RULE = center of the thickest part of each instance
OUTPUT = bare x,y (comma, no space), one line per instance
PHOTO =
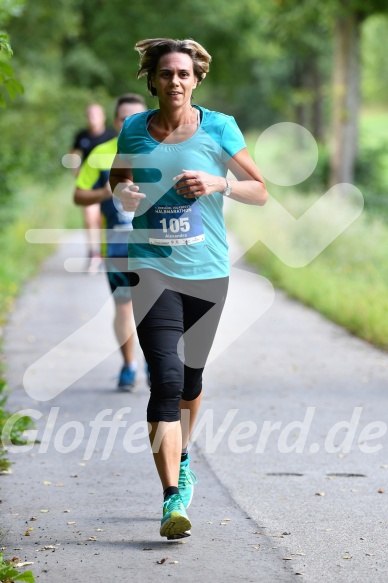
175,225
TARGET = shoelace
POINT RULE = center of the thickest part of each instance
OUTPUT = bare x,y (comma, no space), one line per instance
186,477
174,502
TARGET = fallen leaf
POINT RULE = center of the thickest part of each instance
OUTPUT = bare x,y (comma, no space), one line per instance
174,562
6,472
346,557
43,510
48,548
370,554
162,561
33,518
93,538
287,558
46,483
27,533
72,522
226,520
320,494
380,491
99,530
59,485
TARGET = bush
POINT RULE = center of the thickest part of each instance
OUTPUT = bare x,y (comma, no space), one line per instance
370,173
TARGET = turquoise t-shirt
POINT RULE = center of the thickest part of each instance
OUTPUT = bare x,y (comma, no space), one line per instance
183,238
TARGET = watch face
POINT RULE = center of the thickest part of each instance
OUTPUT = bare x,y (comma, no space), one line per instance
228,189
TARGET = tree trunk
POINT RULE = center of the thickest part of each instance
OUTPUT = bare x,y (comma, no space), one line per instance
346,99
317,106
301,112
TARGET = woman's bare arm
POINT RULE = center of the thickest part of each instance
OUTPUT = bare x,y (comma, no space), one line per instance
123,188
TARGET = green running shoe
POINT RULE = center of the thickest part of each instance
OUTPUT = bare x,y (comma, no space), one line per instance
175,522
186,482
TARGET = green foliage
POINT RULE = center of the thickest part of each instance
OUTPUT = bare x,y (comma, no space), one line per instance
9,573
73,51
7,78
22,424
37,206
370,174
374,61
8,82
5,47
10,9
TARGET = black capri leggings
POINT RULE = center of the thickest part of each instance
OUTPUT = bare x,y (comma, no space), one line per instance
165,308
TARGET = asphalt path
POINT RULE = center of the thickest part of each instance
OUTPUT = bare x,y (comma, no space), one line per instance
290,447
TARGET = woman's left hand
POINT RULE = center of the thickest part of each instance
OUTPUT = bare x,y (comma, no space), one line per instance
195,183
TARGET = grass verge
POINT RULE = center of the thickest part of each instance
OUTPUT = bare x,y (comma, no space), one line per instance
33,206
13,435
347,281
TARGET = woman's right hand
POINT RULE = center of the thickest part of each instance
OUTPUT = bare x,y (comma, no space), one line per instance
129,196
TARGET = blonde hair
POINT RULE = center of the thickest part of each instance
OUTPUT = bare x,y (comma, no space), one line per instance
150,51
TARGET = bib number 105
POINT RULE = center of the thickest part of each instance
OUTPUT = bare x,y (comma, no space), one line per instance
174,225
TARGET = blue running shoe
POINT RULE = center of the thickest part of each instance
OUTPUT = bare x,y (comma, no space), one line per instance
186,482
127,379
175,522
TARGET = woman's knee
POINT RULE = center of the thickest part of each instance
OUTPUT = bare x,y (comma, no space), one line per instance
166,408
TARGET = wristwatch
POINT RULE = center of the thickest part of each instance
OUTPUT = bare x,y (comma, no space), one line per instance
228,189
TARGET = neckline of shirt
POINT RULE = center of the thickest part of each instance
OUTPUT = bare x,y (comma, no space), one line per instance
200,116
